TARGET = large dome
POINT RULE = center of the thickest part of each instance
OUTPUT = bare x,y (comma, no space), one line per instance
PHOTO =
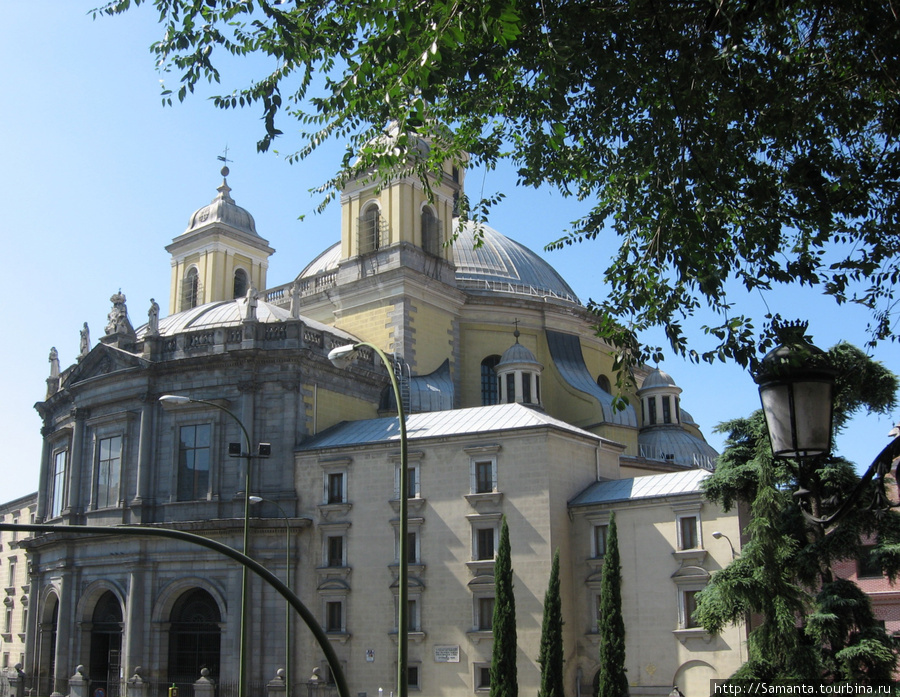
498,264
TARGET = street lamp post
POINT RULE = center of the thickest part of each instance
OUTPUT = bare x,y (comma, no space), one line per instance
263,450
287,582
718,534
341,358
796,387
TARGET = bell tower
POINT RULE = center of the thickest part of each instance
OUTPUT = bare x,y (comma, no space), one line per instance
219,256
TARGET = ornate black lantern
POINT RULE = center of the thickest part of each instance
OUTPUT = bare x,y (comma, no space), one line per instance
796,386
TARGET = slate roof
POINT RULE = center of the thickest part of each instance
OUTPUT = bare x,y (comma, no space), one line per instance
439,424
651,486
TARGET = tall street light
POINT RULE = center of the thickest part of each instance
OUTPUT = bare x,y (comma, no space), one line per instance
235,450
341,357
287,582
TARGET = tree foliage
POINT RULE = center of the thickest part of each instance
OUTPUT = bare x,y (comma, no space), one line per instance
813,625
735,142
504,675
551,654
612,680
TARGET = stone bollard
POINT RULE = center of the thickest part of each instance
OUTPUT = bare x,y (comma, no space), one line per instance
277,687
204,687
78,683
136,686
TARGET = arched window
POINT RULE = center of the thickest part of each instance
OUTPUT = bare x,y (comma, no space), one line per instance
431,232
106,645
370,229
604,384
489,380
241,283
191,289
194,637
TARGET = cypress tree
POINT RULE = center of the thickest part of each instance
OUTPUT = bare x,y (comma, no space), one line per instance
551,654
613,682
504,678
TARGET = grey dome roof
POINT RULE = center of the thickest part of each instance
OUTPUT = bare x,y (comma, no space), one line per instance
499,264
230,313
502,264
658,378
517,354
673,444
223,210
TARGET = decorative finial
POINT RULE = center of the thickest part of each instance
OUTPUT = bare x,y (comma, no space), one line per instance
516,332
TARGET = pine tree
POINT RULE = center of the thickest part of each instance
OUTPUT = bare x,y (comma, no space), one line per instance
504,677
551,654
813,626
613,682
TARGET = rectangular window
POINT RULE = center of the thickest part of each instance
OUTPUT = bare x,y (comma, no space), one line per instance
598,600
193,462
510,379
484,476
482,677
651,410
58,484
412,482
688,532
484,544
412,547
690,605
412,676
667,410
334,616
485,610
412,615
526,388
109,468
24,619
12,573
7,624
335,551
335,484
866,566
600,540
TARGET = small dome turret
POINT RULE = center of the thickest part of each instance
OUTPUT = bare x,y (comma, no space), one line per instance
519,375
224,211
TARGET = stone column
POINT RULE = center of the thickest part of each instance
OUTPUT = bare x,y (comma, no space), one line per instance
145,445
76,464
64,632
44,476
133,642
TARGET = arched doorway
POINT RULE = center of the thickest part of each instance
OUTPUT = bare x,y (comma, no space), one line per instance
106,646
194,637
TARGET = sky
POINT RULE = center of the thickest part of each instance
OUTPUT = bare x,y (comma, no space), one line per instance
97,177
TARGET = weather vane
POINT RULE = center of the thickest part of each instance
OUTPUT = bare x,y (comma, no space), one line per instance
224,160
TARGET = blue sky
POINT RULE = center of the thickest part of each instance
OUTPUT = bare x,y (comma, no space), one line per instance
96,177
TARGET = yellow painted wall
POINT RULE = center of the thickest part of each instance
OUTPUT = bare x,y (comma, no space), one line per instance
326,408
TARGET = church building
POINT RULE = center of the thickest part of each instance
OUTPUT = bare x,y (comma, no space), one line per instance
510,414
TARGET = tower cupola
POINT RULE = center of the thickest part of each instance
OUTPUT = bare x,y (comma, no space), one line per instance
519,375
219,256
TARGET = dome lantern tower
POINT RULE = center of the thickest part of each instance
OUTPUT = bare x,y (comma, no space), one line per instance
220,255
519,375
